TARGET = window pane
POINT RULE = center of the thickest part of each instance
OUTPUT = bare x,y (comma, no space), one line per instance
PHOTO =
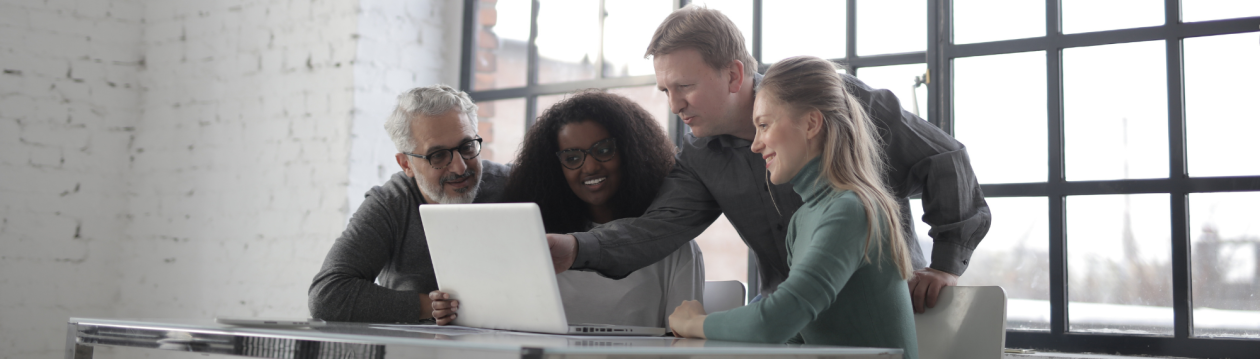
890,26
501,125
568,40
1221,89
652,100
725,254
1225,249
628,27
1000,114
993,20
1115,109
789,30
1015,255
502,34
1099,15
900,79
1203,10
1119,274
546,101
740,12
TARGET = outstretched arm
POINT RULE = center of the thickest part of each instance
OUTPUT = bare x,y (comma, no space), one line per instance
682,210
823,268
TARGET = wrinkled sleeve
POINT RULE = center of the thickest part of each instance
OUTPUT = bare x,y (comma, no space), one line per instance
818,274
924,160
345,288
685,278
682,210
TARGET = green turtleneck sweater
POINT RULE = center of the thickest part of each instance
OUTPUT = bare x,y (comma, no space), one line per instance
831,296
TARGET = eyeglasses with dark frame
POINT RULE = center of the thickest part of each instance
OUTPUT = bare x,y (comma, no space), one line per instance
439,159
602,151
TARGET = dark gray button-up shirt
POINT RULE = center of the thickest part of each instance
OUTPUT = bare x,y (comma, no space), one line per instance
719,174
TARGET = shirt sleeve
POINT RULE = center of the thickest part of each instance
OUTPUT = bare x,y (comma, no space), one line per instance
685,278
923,159
683,209
818,274
345,288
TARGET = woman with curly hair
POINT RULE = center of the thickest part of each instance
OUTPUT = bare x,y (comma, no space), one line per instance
590,159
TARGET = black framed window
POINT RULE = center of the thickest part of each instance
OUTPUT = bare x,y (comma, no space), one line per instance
1113,140
1102,135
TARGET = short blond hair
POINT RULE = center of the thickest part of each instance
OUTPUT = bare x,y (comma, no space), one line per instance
708,31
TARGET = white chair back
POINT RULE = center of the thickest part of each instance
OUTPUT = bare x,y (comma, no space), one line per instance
723,295
967,322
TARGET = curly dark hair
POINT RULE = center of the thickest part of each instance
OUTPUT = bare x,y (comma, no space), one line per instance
646,157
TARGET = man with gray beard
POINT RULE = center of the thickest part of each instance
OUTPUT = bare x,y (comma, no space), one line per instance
379,270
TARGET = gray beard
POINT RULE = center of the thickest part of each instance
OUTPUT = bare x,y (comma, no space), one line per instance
434,190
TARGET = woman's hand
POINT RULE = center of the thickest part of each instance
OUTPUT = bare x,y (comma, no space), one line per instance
444,307
688,320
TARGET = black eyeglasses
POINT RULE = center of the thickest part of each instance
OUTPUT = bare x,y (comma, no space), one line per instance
603,151
441,158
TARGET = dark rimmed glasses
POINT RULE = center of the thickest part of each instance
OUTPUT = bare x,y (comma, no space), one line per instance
602,151
439,159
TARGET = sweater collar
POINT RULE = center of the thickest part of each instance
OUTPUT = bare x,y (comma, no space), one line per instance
808,182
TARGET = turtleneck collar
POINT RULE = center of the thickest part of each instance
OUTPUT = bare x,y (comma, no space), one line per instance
807,182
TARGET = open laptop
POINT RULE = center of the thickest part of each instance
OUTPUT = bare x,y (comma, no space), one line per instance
494,259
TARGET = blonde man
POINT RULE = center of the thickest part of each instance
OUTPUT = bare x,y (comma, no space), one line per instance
702,65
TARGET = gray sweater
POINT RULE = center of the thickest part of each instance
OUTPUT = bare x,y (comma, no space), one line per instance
384,244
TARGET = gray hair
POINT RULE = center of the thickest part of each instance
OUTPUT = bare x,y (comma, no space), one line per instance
429,101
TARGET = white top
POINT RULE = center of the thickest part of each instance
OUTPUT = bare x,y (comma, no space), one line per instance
644,298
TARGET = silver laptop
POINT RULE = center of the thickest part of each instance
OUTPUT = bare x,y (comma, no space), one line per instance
494,259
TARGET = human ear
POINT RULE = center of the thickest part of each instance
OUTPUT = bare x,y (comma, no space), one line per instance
405,164
736,72
813,123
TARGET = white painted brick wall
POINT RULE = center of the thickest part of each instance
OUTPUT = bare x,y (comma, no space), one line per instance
402,45
239,177
191,158
69,104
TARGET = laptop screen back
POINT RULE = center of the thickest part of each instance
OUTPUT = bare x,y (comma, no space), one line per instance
494,259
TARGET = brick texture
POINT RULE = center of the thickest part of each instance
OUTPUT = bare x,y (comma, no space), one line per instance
192,159
69,105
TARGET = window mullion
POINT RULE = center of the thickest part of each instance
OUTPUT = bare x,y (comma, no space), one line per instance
1058,226
531,75
1183,321
850,34
755,37
469,29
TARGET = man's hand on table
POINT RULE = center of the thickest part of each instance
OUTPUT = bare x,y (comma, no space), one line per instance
926,285
563,250
444,308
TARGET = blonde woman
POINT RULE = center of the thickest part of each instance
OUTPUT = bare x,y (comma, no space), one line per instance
849,263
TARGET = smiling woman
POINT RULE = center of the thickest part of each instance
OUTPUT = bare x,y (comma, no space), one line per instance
593,158
642,155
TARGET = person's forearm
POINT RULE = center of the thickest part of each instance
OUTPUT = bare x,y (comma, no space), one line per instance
339,298
954,206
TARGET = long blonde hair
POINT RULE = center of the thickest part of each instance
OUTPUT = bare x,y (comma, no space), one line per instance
851,155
